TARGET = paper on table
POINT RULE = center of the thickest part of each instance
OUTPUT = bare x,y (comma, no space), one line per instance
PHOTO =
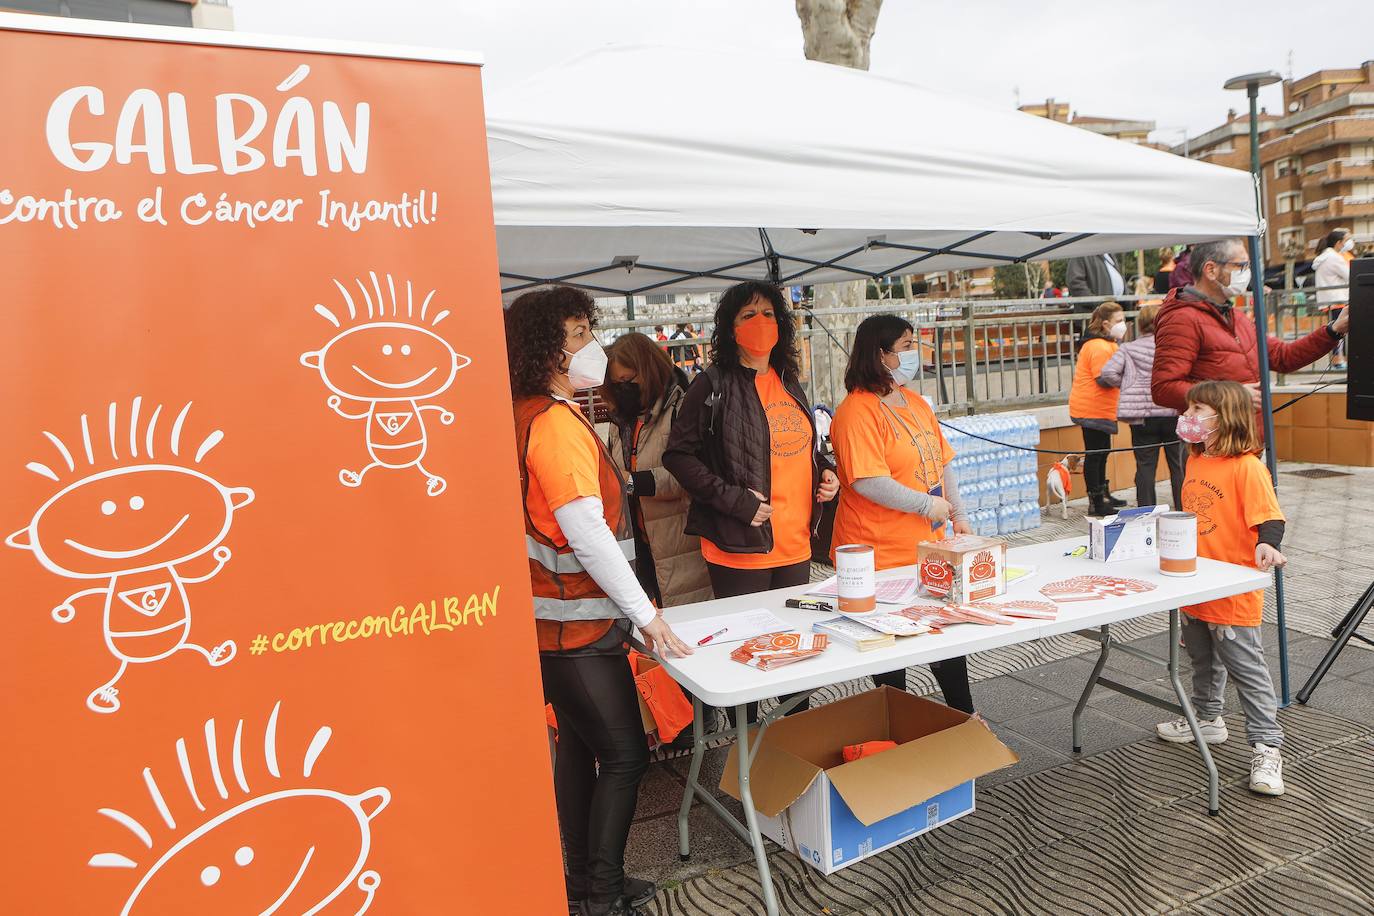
1016,573
738,627
893,624
901,590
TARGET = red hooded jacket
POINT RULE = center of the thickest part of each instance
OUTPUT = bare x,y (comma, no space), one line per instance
1196,342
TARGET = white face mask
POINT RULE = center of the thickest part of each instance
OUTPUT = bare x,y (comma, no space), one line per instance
908,366
1240,282
587,367
1117,330
1349,245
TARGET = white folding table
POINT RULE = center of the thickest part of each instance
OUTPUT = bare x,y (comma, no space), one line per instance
713,678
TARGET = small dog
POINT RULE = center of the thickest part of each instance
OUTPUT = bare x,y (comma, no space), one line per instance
1058,483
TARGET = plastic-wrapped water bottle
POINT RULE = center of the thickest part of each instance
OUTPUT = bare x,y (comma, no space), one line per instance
1030,488
957,441
979,521
1008,519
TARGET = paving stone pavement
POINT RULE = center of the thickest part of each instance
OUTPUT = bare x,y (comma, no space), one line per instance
1121,828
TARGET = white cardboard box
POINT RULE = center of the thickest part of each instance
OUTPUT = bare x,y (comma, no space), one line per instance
832,814
1129,535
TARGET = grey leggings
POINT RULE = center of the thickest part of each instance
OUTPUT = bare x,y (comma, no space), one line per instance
1213,658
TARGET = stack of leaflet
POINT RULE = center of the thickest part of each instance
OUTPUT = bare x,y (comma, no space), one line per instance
854,634
998,483
774,650
871,631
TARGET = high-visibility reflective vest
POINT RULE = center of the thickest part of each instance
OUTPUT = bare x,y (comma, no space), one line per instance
563,589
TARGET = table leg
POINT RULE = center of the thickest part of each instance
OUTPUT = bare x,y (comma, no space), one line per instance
684,839
1106,642
1213,783
745,755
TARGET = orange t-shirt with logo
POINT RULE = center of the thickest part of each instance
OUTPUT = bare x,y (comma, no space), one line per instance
790,442
873,439
1087,399
1231,498
563,463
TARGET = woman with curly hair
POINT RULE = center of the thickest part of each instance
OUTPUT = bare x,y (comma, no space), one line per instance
745,449
586,595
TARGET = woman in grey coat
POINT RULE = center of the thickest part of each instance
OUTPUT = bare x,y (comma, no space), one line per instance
1152,427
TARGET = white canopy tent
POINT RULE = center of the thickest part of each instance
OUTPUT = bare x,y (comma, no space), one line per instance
639,169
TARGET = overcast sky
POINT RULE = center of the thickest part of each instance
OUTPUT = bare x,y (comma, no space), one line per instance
1162,61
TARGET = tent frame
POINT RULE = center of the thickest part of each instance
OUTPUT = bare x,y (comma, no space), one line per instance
774,259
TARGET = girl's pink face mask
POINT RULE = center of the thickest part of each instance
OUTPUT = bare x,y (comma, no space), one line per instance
1195,429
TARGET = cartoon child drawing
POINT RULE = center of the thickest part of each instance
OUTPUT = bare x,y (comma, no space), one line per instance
1199,504
388,366
143,527
292,850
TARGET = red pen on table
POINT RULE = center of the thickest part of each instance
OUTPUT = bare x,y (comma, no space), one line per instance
705,639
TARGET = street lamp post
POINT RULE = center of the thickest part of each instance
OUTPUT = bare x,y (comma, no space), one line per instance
1251,83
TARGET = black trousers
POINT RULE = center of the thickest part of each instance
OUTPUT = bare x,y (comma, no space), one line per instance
1147,439
728,582
952,676
1095,466
597,706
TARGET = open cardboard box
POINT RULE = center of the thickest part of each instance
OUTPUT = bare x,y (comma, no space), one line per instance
833,814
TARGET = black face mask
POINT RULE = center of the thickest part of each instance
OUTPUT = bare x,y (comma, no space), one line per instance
626,397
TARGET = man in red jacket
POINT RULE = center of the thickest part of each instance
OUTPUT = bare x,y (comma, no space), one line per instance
1200,338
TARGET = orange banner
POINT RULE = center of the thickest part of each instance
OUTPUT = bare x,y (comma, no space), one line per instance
268,639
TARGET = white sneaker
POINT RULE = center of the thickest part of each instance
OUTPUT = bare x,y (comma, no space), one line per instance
1178,732
1266,771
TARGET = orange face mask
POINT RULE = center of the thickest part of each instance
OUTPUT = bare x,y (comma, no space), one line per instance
758,335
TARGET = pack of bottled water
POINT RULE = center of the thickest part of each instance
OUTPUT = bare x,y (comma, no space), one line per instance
998,481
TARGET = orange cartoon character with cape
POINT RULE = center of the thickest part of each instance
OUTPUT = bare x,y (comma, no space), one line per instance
143,521
389,365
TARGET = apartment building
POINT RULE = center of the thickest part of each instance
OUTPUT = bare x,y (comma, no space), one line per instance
1319,173
1131,130
1316,159
201,14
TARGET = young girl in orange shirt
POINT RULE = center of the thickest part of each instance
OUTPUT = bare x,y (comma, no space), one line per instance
1238,521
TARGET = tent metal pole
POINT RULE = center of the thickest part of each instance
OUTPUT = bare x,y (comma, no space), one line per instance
1270,450
629,307
1266,395
774,266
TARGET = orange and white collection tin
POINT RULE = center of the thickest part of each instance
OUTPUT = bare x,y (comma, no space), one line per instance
855,578
1178,544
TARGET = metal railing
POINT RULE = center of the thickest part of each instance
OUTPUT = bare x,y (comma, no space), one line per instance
1295,313
979,355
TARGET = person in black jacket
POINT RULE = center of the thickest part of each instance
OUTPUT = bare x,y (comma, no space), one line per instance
745,449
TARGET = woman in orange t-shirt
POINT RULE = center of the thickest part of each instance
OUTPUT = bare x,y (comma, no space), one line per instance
745,449
1092,405
897,488
586,594
1238,521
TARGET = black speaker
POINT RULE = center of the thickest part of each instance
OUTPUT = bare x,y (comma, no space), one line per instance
1359,342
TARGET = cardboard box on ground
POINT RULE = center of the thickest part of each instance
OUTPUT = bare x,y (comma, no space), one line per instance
832,814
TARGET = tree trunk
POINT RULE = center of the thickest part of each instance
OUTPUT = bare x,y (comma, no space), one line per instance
838,31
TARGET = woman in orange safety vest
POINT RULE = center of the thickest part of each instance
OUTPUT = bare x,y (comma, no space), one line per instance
586,595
